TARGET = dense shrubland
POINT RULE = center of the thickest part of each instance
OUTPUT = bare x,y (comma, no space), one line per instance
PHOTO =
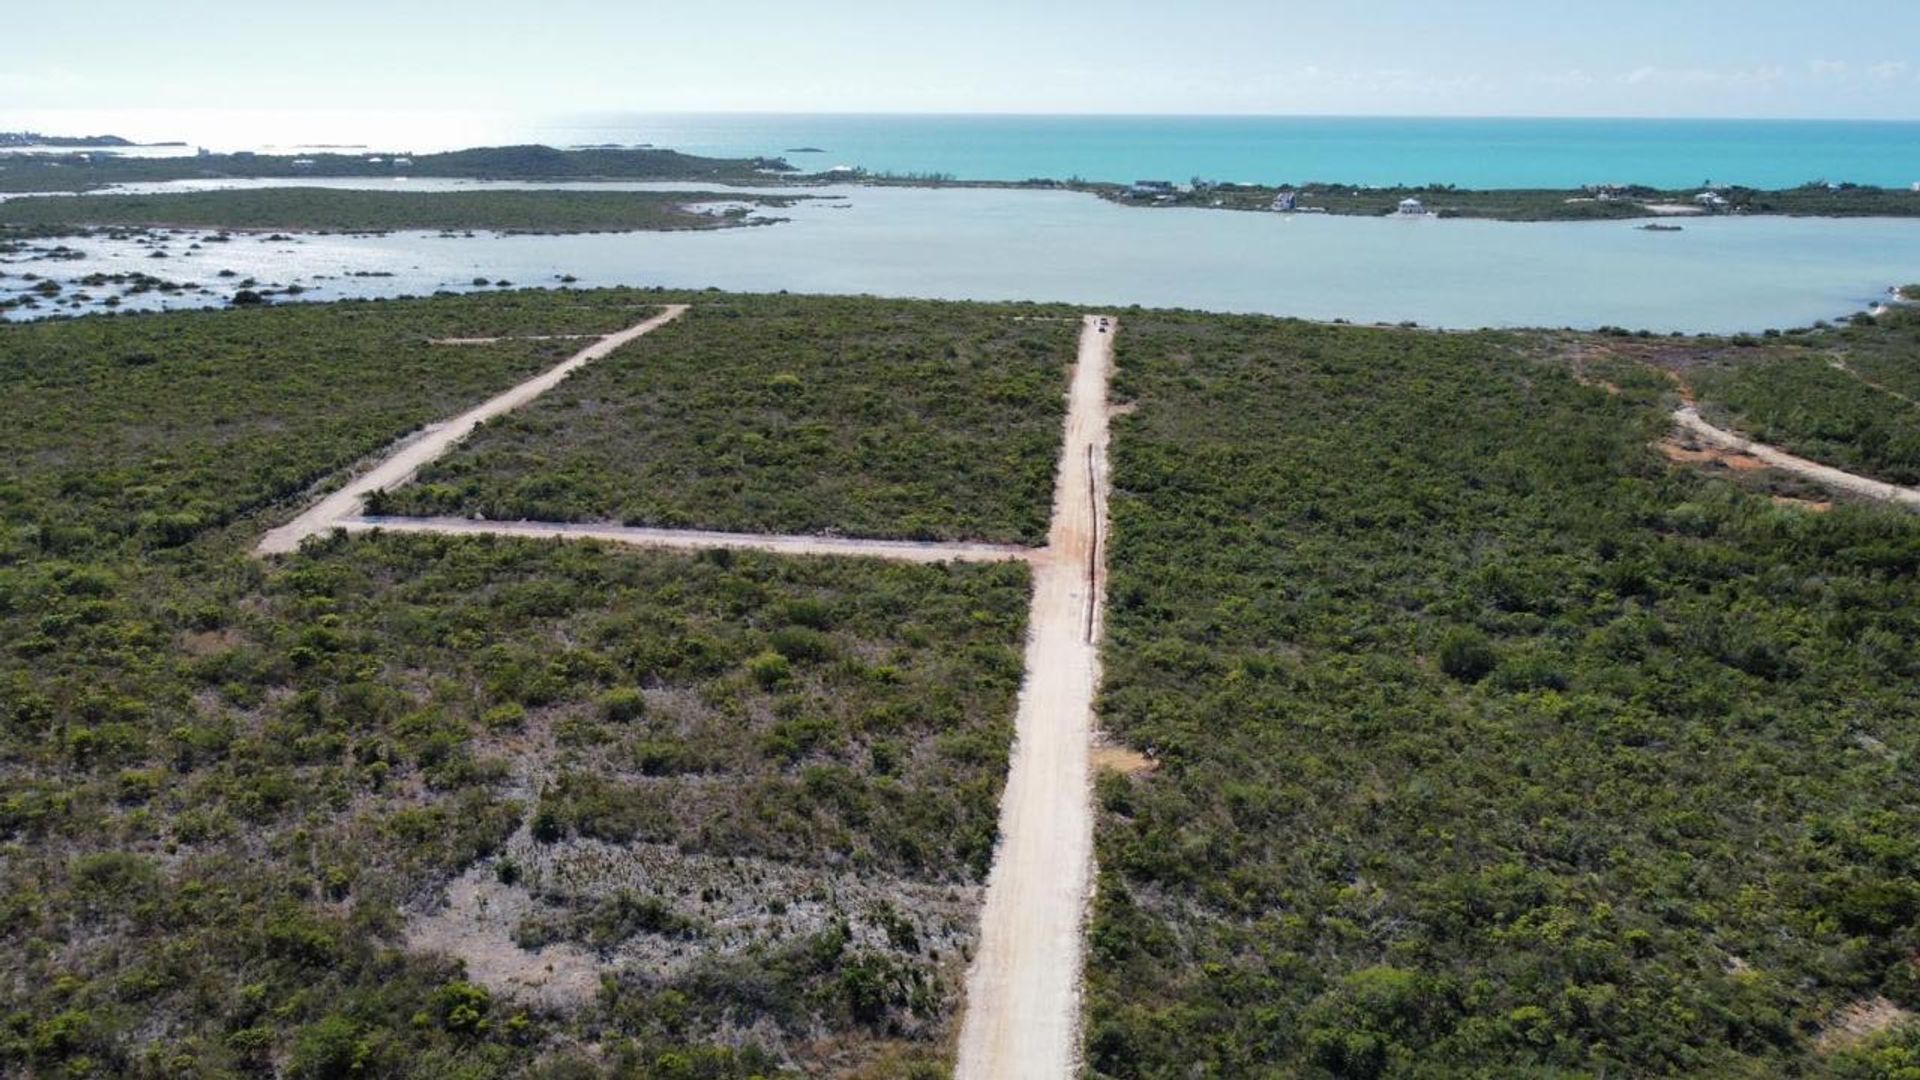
773,414
1488,743
227,782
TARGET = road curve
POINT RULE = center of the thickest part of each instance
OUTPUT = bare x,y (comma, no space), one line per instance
1689,419
915,551
1023,990
409,456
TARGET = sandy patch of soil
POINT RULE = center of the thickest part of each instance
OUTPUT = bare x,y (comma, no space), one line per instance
1679,453
1860,1021
210,642
736,903
1122,760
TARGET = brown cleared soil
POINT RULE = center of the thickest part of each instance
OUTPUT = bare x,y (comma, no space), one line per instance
1860,1021
1678,453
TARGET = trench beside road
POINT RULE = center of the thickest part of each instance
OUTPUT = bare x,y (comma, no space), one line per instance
1023,991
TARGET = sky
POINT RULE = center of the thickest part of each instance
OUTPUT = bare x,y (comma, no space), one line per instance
108,59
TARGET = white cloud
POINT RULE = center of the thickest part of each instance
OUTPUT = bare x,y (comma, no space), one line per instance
1744,78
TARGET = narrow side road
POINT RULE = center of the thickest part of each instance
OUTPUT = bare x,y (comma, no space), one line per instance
410,456
1689,419
510,337
915,551
1023,991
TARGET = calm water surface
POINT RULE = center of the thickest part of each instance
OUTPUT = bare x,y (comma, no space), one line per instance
1719,275
1467,151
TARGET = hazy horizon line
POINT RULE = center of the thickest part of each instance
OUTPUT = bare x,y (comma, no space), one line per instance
1020,113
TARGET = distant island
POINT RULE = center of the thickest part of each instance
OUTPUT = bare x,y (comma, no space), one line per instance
34,138
79,171
803,150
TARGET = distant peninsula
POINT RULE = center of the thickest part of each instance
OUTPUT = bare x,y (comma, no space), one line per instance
34,138
78,171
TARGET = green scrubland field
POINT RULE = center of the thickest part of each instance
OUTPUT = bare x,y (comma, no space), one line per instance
775,414
1483,737
1487,741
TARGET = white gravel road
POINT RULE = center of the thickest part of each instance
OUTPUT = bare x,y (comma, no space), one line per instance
1023,991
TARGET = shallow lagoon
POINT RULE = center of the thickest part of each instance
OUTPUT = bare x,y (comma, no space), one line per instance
1721,274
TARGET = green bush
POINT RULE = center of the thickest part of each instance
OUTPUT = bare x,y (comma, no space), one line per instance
1466,654
622,704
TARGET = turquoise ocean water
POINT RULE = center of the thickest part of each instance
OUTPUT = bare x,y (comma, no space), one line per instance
1480,153
1377,151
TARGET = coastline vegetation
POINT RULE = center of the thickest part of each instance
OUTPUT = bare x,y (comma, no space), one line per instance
314,209
85,172
1535,204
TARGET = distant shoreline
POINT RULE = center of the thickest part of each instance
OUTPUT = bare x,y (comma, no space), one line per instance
81,172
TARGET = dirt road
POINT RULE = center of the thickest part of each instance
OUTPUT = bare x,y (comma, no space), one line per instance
511,337
701,540
1023,991
408,457
1690,420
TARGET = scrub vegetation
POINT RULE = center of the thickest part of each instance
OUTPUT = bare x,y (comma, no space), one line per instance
1486,742
234,789
776,414
314,209
1480,739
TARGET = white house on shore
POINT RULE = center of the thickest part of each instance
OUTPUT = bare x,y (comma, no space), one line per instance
1286,202
1712,200
1412,208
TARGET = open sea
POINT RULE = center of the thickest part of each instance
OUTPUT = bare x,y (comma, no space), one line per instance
1468,152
